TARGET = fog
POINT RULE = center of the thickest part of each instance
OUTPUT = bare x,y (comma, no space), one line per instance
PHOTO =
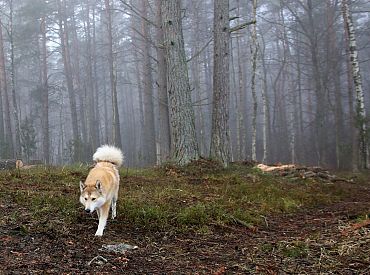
75,74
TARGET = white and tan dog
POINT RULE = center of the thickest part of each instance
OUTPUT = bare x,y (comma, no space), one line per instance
100,190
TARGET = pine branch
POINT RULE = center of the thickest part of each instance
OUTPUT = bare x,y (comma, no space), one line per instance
242,26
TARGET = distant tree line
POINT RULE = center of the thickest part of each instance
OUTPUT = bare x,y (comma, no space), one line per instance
272,81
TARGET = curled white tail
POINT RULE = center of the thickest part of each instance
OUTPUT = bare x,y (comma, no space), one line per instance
108,153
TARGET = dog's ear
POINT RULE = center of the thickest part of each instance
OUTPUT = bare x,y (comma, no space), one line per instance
98,185
82,186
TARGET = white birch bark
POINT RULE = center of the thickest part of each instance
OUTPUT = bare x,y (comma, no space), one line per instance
360,106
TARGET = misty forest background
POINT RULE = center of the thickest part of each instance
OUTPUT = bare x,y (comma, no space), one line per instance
274,81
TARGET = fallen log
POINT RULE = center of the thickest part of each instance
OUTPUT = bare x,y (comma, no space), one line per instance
267,168
293,171
7,164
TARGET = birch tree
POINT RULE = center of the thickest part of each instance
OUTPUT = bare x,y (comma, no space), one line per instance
360,105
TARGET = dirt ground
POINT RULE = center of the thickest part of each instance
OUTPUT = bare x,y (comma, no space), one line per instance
311,241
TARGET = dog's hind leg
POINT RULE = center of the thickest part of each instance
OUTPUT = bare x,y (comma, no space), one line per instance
114,204
103,216
114,207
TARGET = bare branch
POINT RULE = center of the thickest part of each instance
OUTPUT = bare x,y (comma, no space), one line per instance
242,26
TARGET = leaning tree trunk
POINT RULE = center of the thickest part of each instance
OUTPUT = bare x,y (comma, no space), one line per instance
360,106
220,140
184,147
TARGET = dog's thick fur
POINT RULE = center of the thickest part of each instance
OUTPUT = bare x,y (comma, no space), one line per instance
100,190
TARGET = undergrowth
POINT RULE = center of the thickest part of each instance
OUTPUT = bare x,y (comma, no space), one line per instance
195,197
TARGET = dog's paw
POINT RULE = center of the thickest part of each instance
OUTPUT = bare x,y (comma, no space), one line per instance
98,234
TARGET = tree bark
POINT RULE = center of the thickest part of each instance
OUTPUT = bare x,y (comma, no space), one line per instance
77,73
360,105
334,75
8,133
220,140
17,144
63,33
45,94
164,124
116,129
149,135
184,147
254,54
93,128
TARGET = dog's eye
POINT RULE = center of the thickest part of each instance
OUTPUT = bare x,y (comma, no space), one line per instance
93,199
85,199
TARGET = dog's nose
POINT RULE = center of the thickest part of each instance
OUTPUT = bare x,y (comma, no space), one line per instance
87,211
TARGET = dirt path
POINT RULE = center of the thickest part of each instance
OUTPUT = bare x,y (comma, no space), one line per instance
310,241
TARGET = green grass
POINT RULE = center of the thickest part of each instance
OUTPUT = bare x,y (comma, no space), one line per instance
168,198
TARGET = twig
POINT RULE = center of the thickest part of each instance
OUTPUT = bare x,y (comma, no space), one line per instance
101,258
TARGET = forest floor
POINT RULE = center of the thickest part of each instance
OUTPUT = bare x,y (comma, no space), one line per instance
201,219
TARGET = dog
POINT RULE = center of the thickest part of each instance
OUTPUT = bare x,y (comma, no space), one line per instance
100,190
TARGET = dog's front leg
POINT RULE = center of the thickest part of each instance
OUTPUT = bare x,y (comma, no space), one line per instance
103,216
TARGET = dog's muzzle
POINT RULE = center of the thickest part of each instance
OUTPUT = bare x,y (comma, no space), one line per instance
88,211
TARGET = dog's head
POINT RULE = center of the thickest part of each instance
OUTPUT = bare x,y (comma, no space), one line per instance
91,196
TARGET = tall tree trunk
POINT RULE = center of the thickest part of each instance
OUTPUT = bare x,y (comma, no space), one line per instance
97,124
63,33
164,124
45,94
149,135
18,149
360,105
220,140
135,24
334,74
352,118
321,106
241,105
116,129
265,109
254,54
93,130
184,147
196,75
2,129
8,133
77,74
